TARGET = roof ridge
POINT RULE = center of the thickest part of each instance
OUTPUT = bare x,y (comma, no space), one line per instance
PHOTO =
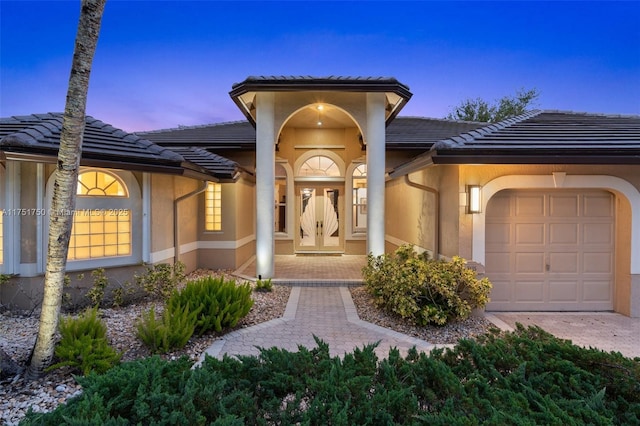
195,126
459,140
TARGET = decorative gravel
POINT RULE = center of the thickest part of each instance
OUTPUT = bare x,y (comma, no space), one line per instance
17,337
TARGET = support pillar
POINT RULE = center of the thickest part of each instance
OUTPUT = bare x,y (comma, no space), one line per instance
265,184
376,173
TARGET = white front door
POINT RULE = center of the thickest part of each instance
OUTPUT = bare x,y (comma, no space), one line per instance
319,214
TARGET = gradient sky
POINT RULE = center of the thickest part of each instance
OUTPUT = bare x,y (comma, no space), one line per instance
168,63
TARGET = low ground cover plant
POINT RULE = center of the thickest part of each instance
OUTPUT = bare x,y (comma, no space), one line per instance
209,304
423,290
526,377
83,345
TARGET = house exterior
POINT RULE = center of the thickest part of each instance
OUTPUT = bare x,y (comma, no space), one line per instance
547,203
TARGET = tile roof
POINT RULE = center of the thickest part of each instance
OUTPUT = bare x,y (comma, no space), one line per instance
403,133
40,134
233,135
547,137
419,133
220,167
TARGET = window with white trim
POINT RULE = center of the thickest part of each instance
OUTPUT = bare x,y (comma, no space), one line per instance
359,203
213,207
100,228
280,215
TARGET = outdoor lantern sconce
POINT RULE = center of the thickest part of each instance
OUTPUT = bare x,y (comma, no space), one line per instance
475,199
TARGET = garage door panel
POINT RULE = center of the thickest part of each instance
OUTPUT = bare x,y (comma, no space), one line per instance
529,291
529,233
529,205
499,262
598,263
563,262
597,233
501,291
563,291
563,205
529,263
563,233
499,207
498,233
598,205
551,250
596,291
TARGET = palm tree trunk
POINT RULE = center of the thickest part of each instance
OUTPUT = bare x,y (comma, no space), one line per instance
64,187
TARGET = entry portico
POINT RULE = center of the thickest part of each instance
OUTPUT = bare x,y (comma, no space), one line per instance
273,103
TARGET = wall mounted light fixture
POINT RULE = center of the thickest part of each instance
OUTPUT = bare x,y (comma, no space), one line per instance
474,203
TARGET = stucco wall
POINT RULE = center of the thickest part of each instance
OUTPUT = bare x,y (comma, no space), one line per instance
411,211
162,195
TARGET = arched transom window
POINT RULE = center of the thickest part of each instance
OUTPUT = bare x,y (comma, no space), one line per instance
101,223
319,165
96,182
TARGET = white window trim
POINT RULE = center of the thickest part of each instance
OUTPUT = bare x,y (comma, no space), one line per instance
133,203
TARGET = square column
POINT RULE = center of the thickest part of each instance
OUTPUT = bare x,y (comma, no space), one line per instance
375,173
265,184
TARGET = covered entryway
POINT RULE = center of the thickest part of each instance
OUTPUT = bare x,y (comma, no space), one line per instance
319,218
550,250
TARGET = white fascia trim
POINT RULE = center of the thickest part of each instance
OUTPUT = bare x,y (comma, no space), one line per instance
611,183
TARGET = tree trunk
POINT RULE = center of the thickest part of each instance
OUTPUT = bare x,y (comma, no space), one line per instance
65,184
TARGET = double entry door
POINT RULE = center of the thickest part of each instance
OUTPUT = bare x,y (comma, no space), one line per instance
319,218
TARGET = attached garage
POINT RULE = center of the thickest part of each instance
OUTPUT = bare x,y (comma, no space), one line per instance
550,250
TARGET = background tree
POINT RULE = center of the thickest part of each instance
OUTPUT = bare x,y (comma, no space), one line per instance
480,110
65,183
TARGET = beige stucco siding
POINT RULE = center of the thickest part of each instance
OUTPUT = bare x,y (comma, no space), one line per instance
162,195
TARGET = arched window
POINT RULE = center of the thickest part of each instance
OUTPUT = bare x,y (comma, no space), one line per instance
319,165
101,228
359,218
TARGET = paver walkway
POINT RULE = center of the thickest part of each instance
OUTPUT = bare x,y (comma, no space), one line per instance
326,312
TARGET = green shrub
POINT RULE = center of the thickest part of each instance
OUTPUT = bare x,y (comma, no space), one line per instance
83,344
526,377
100,282
264,285
220,303
161,280
422,290
171,331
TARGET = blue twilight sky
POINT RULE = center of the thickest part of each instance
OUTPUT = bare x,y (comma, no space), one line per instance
167,63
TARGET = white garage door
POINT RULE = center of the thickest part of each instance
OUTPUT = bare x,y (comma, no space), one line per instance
550,251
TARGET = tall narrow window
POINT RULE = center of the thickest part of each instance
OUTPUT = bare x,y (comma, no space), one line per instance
280,216
101,223
360,199
213,207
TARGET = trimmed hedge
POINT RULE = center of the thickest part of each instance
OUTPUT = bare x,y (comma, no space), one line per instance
526,377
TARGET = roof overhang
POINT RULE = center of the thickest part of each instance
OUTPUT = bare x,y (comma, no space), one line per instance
244,93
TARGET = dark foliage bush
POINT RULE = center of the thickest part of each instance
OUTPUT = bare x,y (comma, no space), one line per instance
527,377
422,290
220,303
83,345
